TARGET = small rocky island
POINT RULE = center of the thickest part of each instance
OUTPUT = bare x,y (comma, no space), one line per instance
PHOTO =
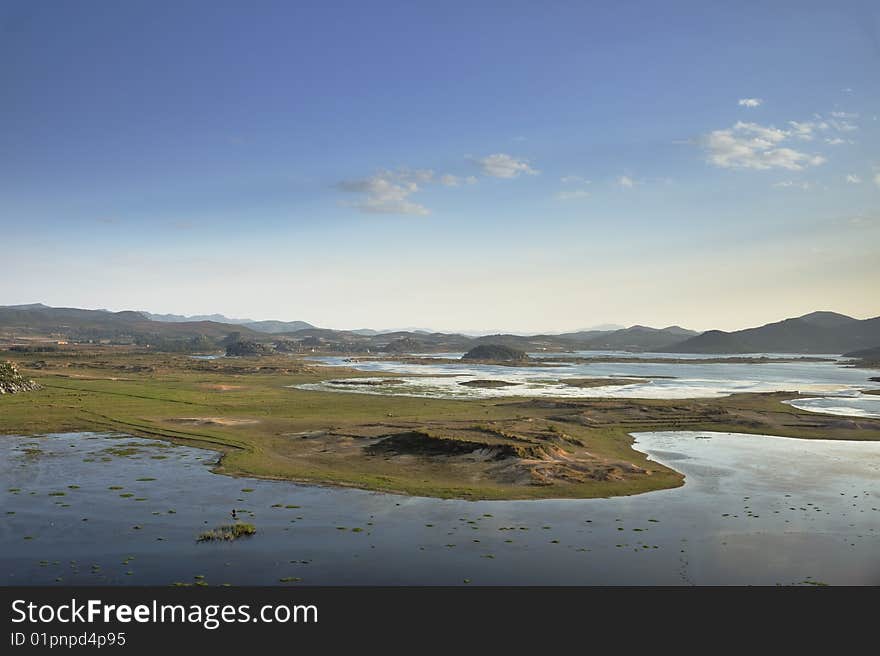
496,353
247,348
12,382
488,384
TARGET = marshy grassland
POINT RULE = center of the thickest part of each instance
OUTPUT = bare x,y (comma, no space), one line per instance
510,448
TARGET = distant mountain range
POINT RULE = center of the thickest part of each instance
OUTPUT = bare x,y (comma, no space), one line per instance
817,332
269,326
76,324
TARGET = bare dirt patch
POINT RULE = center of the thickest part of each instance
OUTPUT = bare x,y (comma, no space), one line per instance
512,452
214,421
86,377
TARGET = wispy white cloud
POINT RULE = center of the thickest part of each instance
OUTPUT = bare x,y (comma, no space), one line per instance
842,125
792,184
835,141
389,191
877,179
805,130
573,179
750,102
843,121
386,192
501,165
572,195
754,146
626,182
852,178
449,180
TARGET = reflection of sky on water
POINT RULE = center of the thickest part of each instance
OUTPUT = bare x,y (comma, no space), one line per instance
862,405
663,380
753,510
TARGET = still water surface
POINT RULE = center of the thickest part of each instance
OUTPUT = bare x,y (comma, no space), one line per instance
754,510
837,387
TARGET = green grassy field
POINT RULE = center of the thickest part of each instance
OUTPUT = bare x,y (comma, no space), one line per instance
246,410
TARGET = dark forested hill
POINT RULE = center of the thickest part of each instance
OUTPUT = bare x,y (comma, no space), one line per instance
817,332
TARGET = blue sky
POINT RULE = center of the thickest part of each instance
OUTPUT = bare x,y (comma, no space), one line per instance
463,166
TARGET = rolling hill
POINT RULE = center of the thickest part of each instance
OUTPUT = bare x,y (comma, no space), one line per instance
269,326
638,338
817,332
84,325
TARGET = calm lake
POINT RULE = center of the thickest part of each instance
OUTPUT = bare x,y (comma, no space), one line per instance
88,509
836,386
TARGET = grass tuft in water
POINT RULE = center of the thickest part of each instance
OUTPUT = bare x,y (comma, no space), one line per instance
227,532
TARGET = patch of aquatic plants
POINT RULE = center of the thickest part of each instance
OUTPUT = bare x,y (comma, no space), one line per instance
227,532
122,452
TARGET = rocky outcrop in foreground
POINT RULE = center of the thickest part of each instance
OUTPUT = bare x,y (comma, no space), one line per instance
12,382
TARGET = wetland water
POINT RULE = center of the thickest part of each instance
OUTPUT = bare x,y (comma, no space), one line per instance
836,387
88,509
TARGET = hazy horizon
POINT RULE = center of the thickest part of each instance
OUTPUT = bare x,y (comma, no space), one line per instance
519,168
607,325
